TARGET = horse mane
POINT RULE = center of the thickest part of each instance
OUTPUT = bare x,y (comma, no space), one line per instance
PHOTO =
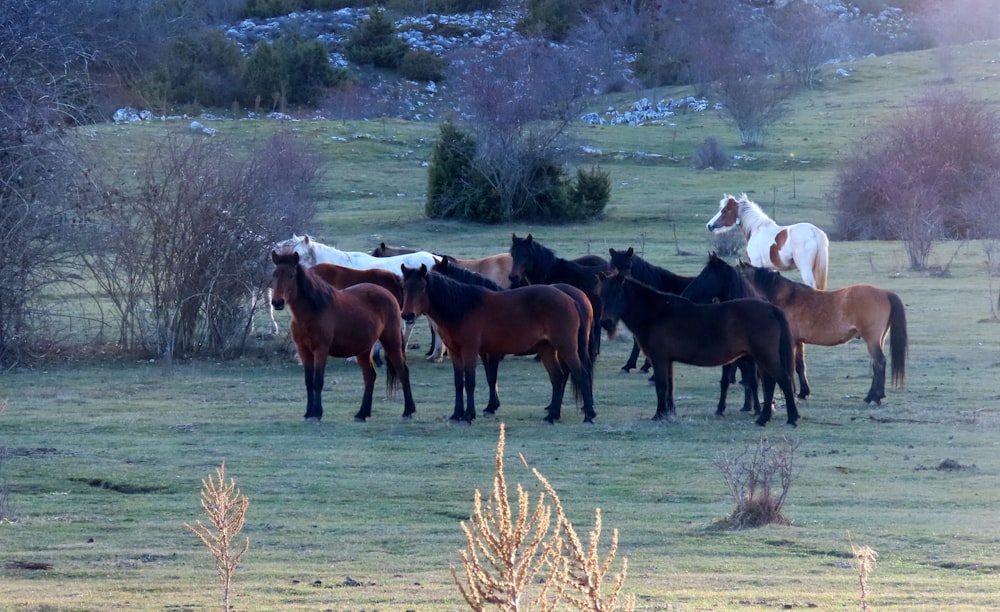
736,282
311,288
540,254
767,282
750,208
449,268
452,298
656,301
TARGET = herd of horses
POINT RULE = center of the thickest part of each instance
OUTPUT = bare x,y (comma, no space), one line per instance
530,301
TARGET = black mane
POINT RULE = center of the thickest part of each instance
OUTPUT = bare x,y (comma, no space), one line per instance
449,268
452,299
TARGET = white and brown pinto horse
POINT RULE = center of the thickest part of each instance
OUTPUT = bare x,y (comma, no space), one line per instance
772,246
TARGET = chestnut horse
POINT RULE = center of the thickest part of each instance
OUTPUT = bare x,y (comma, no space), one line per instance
672,328
494,267
329,322
475,322
313,252
491,363
829,318
769,245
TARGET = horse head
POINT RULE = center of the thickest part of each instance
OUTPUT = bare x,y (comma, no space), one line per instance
612,300
727,217
621,261
283,279
521,253
414,291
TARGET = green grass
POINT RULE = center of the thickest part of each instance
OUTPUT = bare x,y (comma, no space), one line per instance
105,460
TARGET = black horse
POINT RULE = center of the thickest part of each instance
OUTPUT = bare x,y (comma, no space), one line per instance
659,278
535,264
671,328
720,281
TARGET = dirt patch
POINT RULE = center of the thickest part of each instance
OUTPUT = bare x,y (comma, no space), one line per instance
126,488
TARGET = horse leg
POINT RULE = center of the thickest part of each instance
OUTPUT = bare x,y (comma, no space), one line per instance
646,365
633,358
459,374
470,389
663,379
800,370
748,372
368,375
491,365
407,330
557,378
877,390
436,352
727,376
315,368
765,412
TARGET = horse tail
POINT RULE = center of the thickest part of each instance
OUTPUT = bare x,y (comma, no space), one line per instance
898,344
786,346
822,260
584,350
391,379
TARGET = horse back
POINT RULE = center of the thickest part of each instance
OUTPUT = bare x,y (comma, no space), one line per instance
341,278
517,320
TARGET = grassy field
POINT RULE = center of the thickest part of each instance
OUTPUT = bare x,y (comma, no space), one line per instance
104,461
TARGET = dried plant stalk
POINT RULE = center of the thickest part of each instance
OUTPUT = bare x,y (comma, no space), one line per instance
226,509
864,561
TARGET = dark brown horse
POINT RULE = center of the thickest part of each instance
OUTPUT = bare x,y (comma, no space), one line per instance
671,328
829,318
535,264
328,322
475,322
650,274
491,363
720,281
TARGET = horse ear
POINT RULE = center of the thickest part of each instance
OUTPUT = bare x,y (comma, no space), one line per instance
513,237
529,238
612,251
630,252
423,269
274,257
403,269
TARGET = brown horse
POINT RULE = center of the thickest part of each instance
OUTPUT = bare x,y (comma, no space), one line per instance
476,322
672,328
829,318
491,363
340,323
494,267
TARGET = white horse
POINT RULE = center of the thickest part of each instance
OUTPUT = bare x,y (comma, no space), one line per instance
776,247
312,252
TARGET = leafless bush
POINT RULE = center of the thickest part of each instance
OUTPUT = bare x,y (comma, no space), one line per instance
923,177
184,245
805,37
752,98
507,549
864,560
505,90
710,154
750,475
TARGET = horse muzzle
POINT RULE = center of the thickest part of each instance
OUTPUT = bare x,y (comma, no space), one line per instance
611,327
278,304
409,318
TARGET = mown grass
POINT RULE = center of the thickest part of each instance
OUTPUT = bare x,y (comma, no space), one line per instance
104,460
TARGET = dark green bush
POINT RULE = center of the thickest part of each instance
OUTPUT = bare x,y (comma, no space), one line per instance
459,188
288,71
422,66
201,67
591,193
375,42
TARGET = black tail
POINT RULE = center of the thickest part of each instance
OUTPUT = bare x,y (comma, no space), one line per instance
391,379
899,342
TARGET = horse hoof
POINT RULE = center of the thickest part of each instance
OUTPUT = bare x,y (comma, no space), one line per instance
408,417
550,420
790,424
719,414
358,419
589,420
760,423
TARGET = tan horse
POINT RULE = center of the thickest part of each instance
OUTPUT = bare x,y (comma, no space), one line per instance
829,318
494,267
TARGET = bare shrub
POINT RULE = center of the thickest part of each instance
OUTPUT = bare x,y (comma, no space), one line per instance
752,99
805,37
226,510
505,552
710,154
922,177
750,475
184,245
863,560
